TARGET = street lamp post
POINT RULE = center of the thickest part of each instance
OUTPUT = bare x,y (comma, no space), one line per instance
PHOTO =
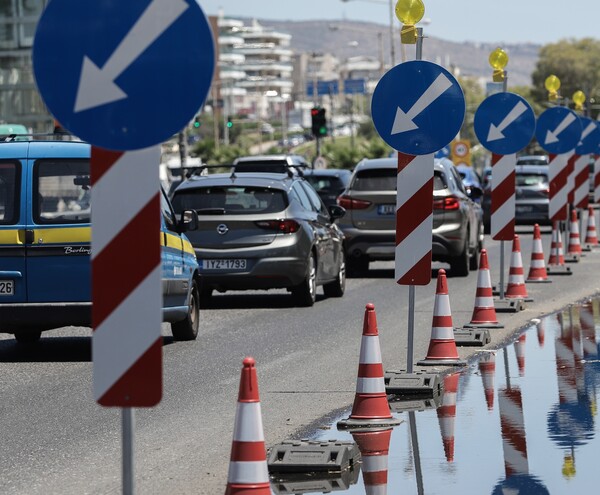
391,13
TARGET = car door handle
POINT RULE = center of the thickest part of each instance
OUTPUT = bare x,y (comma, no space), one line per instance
29,236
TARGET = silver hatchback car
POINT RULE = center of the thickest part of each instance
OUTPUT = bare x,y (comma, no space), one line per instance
369,224
264,231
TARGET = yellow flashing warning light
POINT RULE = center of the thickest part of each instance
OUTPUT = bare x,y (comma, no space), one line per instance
568,469
498,60
552,84
409,12
578,98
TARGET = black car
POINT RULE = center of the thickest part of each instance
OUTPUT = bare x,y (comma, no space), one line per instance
328,182
262,230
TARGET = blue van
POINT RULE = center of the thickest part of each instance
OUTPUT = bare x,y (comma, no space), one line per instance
45,244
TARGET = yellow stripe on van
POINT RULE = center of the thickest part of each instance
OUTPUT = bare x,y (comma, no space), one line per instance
63,235
10,237
188,248
173,241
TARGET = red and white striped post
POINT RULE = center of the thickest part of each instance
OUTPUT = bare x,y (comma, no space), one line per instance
558,175
596,178
502,221
582,182
126,287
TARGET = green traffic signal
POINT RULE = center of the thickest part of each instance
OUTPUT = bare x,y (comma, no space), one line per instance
196,124
229,124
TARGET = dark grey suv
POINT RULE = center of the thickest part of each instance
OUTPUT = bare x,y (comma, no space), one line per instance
369,224
264,231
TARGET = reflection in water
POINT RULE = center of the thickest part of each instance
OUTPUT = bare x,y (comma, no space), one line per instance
374,446
540,438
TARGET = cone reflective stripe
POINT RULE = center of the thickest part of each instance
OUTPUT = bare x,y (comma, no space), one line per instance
370,408
442,346
574,242
512,423
446,414
487,368
520,353
374,447
516,280
248,472
537,267
591,237
556,247
484,312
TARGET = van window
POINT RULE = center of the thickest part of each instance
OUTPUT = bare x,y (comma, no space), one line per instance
61,191
10,174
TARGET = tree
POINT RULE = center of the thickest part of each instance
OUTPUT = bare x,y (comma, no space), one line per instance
576,63
474,95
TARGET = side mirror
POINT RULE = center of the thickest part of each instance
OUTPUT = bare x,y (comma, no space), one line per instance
336,211
188,221
474,192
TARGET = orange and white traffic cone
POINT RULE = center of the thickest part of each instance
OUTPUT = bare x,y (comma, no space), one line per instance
484,312
557,257
516,281
446,414
574,240
370,408
442,346
487,368
591,238
374,447
248,471
541,333
537,267
520,353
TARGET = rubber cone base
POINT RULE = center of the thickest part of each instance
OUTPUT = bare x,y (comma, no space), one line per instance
348,423
542,281
442,362
483,325
559,270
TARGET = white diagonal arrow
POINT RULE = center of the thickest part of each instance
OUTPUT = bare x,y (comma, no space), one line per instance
97,86
404,121
496,132
552,137
586,132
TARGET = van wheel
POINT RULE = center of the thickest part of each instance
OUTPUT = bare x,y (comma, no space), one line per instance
305,293
28,338
187,329
338,286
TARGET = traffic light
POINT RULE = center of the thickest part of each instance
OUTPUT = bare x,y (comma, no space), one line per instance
197,122
319,122
229,122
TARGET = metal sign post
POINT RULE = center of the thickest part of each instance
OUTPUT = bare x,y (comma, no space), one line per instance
109,89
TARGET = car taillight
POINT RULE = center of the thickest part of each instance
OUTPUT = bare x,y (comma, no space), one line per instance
350,203
448,203
283,226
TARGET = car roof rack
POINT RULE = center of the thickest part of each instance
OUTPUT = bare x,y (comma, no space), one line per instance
49,136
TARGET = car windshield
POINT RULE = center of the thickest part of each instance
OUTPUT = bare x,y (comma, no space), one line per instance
531,179
376,180
236,200
325,184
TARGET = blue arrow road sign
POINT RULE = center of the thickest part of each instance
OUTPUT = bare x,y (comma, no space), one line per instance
504,123
418,107
558,130
123,75
590,137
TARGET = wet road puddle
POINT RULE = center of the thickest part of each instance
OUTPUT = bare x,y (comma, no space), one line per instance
521,420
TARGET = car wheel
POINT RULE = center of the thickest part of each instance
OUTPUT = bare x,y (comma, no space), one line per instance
187,329
305,293
337,287
460,264
28,338
357,266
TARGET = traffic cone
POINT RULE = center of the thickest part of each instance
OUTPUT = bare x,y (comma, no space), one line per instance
557,257
446,414
370,408
487,368
520,353
484,312
442,346
248,471
374,447
541,333
574,241
537,267
591,238
516,281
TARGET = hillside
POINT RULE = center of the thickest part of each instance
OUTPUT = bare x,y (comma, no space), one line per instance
349,38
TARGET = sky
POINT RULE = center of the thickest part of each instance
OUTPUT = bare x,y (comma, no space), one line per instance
490,21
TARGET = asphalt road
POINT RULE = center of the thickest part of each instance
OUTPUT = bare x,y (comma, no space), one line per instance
56,440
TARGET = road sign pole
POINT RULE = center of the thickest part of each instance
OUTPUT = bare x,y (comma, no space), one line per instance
411,329
128,421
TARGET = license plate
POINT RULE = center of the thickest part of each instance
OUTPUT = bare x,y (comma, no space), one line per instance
232,264
524,209
386,209
7,288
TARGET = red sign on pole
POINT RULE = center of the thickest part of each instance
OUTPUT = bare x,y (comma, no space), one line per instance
126,278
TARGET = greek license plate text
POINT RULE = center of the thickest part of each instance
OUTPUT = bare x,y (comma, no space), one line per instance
233,264
7,288
386,209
